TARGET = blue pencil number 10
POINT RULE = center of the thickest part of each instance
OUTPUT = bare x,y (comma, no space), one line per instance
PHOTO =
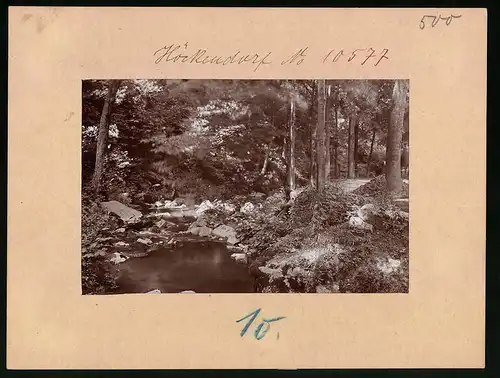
262,328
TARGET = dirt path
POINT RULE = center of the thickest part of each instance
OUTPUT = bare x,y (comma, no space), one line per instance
348,185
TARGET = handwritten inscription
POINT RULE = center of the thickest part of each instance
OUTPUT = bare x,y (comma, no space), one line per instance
177,53
182,54
434,20
262,329
359,55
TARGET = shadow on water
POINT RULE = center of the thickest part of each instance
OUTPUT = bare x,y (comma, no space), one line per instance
201,266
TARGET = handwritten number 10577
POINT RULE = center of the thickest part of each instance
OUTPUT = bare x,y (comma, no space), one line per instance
262,329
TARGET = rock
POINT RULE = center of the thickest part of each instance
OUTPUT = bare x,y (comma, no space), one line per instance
145,232
161,223
121,244
120,230
369,212
117,258
234,249
227,232
145,241
232,240
205,231
134,254
388,266
397,213
104,239
247,208
240,258
295,193
204,206
226,207
188,292
195,230
127,214
100,253
165,214
360,224
155,291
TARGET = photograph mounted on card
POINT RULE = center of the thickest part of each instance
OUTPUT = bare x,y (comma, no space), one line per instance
258,161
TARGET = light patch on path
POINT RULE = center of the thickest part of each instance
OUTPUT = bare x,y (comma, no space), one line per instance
349,185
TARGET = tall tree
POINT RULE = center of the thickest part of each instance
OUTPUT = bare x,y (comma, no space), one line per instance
313,126
291,155
102,138
350,146
371,151
356,148
336,142
328,111
320,136
394,137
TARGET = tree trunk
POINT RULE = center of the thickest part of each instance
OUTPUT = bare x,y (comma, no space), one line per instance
102,138
394,139
327,135
356,146
291,155
335,149
313,139
371,153
266,160
350,147
320,137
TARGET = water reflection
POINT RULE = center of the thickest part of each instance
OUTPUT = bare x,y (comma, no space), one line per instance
205,267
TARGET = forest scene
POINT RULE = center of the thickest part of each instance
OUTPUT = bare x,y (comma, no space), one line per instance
245,186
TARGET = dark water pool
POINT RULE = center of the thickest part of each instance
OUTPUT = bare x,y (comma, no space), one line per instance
201,266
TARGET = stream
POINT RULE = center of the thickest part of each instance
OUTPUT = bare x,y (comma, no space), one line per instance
192,263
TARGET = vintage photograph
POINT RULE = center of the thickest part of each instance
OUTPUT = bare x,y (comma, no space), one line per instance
245,186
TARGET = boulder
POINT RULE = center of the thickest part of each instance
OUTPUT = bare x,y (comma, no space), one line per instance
228,208
247,208
145,241
237,249
127,214
155,291
239,258
360,224
117,258
369,212
121,244
205,231
120,230
194,230
204,206
227,232
188,292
